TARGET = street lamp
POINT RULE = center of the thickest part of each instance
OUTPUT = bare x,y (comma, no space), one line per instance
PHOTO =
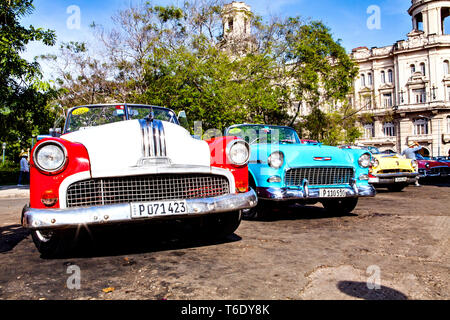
4,148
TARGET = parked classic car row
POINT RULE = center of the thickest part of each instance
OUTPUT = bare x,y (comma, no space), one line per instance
390,170
117,164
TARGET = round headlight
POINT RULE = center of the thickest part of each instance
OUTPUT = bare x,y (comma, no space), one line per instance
50,157
364,160
238,152
276,160
375,163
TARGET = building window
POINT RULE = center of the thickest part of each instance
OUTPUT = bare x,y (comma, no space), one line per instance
413,68
420,127
422,69
389,129
230,24
367,102
370,79
419,96
369,131
446,67
390,76
363,80
383,77
448,124
387,100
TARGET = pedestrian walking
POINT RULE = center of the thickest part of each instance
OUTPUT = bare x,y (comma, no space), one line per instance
24,174
410,153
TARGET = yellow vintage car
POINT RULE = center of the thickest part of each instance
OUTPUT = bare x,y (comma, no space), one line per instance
391,170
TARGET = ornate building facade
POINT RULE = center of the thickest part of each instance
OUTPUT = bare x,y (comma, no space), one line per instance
403,90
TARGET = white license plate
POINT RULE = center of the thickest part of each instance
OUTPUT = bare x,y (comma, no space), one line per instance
332,193
158,208
404,179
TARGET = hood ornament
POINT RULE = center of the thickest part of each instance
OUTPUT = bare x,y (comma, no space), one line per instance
151,116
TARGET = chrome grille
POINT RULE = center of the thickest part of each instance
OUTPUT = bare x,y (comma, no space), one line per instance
395,171
106,191
440,170
319,176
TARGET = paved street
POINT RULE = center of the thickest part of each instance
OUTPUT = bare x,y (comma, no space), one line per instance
298,253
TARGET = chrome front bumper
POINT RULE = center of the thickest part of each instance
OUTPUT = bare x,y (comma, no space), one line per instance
390,178
302,193
115,214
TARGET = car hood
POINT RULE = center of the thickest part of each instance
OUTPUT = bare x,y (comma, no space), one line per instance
432,164
392,161
300,155
117,148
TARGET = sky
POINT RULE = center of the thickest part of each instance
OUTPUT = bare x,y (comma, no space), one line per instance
355,22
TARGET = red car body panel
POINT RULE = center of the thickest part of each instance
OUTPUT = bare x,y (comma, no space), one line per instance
46,185
219,159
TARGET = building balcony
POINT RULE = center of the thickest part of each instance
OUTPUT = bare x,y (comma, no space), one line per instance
428,138
418,107
378,141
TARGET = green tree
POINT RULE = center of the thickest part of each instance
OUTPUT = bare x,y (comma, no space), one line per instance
181,58
24,98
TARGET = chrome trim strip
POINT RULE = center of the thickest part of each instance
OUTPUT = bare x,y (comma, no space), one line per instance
162,139
153,139
116,214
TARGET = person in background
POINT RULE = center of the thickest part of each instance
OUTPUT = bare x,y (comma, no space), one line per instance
410,153
24,169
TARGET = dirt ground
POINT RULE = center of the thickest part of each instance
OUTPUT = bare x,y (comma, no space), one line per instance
399,241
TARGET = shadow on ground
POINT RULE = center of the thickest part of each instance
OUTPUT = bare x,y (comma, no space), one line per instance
138,239
437,182
284,211
11,236
360,290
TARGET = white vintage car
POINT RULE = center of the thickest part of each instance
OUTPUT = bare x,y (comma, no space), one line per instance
122,163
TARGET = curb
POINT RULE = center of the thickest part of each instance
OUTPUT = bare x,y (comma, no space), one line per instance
14,193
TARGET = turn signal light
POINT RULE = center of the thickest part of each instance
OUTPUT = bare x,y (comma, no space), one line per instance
49,198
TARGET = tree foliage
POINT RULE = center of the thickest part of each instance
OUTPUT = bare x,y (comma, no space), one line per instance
24,97
181,58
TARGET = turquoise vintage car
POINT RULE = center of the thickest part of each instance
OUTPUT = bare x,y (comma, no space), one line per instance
282,167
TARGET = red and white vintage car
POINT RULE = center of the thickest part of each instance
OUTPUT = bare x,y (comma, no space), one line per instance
116,164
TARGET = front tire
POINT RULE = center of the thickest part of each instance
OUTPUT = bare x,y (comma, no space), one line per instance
340,206
53,243
219,226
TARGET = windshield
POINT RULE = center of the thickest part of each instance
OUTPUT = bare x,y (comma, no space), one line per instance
373,150
419,156
85,117
265,134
